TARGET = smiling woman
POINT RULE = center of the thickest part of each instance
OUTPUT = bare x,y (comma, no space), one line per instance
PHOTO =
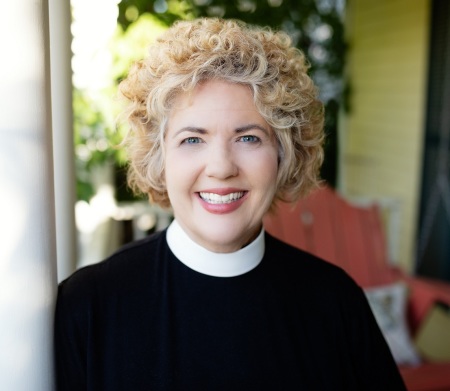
191,53
221,186
224,122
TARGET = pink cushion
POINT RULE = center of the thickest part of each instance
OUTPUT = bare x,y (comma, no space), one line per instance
427,377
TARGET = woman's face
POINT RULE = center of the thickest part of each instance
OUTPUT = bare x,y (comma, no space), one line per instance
221,165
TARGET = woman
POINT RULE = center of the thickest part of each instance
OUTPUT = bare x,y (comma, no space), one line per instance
224,122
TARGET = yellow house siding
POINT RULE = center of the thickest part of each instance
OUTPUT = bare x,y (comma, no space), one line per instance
382,137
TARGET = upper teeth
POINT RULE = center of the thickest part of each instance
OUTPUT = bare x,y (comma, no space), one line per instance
221,199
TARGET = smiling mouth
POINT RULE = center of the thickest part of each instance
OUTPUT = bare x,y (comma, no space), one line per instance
213,198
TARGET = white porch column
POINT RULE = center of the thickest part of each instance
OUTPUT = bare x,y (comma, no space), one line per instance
27,234
63,145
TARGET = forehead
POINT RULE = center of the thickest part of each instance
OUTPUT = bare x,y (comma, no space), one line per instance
215,104
216,95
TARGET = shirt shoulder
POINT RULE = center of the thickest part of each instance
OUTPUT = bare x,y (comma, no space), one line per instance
124,267
305,268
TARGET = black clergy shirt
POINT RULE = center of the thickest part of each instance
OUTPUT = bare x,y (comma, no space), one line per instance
142,320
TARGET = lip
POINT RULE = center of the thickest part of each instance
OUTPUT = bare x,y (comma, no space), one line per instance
222,208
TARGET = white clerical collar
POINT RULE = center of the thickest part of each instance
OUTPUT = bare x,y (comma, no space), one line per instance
210,263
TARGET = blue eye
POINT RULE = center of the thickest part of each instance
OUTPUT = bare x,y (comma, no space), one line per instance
249,139
192,140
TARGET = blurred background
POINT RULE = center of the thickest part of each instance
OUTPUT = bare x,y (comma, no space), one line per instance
380,67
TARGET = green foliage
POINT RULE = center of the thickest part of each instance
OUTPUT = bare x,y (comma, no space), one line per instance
166,11
94,137
130,44
96,130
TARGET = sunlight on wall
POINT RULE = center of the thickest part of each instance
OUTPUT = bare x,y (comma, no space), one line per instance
27,254
13,209
94,23
27,235
16,74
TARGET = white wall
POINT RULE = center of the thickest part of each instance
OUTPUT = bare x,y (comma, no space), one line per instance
27,234
63,142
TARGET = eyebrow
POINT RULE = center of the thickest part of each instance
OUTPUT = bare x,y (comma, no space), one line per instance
250,127
241,129
193,129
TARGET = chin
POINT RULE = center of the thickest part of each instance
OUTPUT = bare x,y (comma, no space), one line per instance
223,243
220,242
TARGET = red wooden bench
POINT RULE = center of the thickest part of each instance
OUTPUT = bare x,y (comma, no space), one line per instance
352,237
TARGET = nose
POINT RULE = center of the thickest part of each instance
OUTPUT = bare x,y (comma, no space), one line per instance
221,162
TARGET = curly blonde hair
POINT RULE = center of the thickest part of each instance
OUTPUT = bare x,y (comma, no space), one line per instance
192,52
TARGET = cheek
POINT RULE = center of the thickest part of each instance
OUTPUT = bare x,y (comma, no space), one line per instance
268,172
179,172
170,172
273,161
